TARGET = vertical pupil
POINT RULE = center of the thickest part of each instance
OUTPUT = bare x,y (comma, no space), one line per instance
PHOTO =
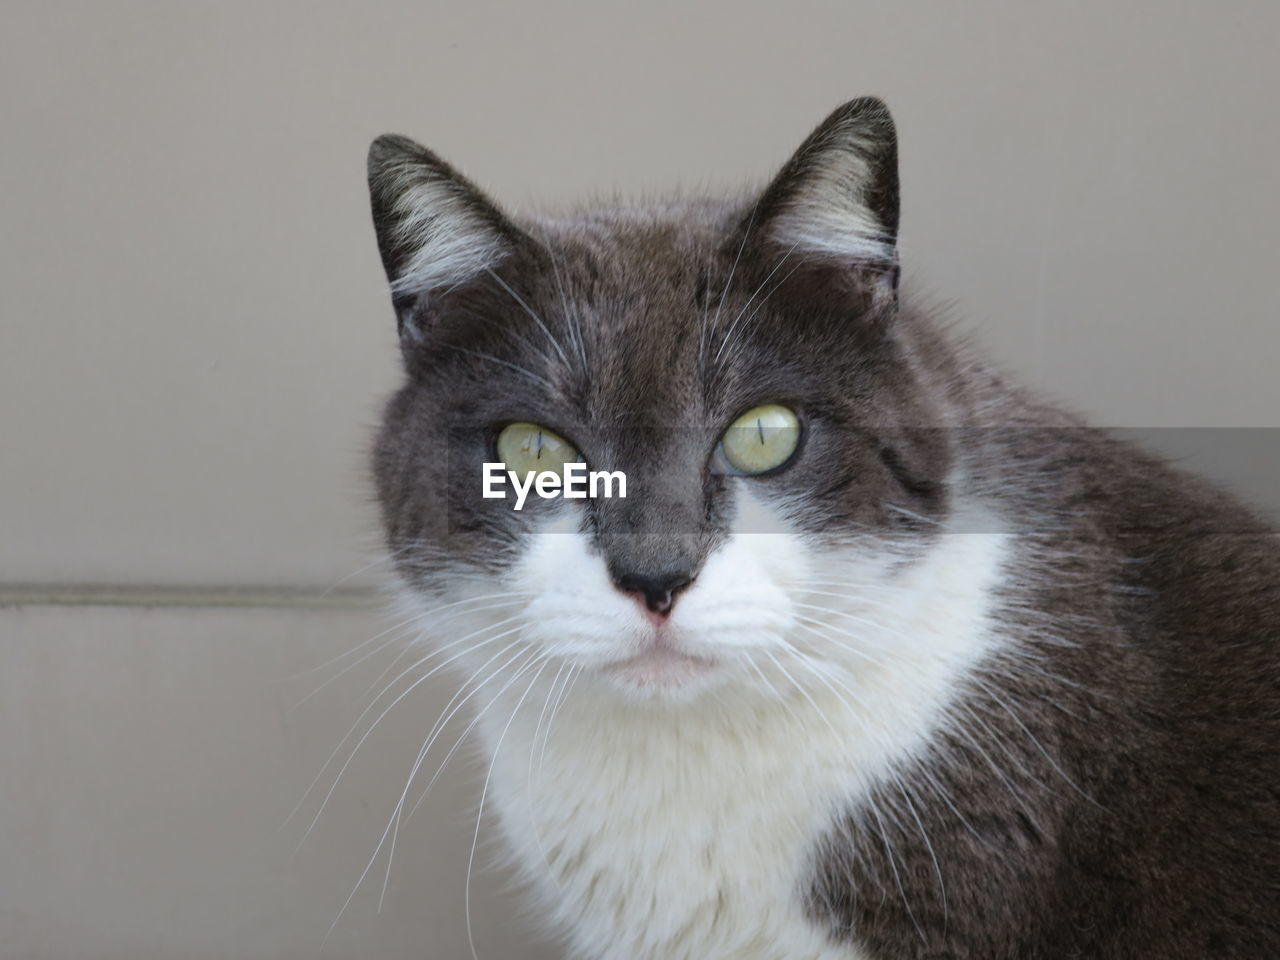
538,455
760,429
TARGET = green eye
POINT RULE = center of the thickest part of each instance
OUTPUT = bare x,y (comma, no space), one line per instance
761,439
527,447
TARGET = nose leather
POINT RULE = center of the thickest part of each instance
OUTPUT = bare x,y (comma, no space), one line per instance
658,591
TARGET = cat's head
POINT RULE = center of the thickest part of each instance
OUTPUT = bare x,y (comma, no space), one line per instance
741,362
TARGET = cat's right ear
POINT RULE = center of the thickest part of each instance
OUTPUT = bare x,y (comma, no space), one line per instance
834,204
436,230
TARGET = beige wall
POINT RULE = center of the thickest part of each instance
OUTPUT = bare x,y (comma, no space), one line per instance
194,340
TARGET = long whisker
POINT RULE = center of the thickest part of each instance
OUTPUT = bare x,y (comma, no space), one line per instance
510,366
529,310
702,326
537,731
871,601
914,516
923,769
451,710
398,632
845,615
1039,746
439,728
552,694
373,703
746,657
760,306
960,730
733,326
803,692
381,842
410,623
413,686
893,865
733,269
379,561
409,648
571,312
574,673
857,713
810,625
350,651
937,867
871,805
484,792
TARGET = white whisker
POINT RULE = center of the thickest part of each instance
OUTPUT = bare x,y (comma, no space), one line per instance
413,686
529,310
728,337
385,833
484,792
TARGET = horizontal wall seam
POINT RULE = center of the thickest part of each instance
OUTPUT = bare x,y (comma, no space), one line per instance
217,597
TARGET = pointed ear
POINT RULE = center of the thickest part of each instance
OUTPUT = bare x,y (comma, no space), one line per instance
836,200
435,229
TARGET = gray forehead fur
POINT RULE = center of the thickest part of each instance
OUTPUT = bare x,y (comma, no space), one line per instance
639,333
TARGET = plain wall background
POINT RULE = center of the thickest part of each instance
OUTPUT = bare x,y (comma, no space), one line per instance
195,339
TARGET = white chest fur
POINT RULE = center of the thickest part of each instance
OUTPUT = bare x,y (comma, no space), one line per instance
686,832
676,836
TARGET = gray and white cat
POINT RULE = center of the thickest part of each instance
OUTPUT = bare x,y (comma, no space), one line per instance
925,669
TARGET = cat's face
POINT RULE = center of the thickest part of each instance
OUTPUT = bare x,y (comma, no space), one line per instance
639,337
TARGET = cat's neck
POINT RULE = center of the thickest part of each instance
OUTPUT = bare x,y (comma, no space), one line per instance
611,799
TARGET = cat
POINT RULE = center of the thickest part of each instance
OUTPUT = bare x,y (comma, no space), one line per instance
927,668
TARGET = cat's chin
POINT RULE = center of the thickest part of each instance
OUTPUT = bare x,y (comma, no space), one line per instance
662,673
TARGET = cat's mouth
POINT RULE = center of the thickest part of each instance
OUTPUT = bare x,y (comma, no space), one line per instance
659,668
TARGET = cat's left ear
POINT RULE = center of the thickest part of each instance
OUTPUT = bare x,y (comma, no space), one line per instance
835,202
436,230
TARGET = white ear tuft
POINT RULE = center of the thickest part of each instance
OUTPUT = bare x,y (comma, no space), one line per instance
837,197
435,229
